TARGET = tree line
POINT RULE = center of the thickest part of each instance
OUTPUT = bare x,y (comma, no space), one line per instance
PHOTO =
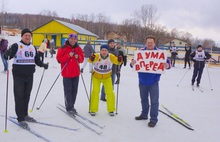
142,23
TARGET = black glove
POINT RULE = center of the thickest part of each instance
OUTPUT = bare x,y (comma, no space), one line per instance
46,66
120,58
92,57
8,53
125,60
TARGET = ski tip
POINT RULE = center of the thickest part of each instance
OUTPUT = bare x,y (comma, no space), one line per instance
100,133
30,110
192,129
5,131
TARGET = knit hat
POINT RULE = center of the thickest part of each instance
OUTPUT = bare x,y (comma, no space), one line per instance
110,40
104,46
199,46
72,35
25,31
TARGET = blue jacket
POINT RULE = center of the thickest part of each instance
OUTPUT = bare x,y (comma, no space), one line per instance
148,79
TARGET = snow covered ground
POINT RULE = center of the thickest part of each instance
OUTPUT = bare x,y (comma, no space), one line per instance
200,109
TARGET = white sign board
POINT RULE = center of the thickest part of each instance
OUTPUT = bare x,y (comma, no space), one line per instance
150,61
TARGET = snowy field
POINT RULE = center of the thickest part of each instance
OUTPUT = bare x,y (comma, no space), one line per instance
200,109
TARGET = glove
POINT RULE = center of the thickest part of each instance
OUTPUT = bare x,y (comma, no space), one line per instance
46,66
8,53
120,58
125,60
92,57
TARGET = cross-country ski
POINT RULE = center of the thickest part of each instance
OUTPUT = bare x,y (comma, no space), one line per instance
80,122
86,119
30,130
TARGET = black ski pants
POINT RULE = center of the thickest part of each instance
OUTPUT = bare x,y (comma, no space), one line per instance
70,86
197,72
22,91
187,60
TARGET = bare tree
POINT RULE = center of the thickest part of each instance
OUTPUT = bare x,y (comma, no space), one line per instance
3,6
208,43
147,15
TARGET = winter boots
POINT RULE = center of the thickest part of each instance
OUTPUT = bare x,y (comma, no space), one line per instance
111,113
24,125
29,119
92,113
151,124
140,118
72,112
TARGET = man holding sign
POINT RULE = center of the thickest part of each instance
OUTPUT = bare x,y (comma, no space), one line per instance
149,63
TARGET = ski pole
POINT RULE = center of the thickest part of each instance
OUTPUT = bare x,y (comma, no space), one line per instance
182,77
82,77
117,99
90,90
6,101
37,91
117,92
85,87
209,78
52,86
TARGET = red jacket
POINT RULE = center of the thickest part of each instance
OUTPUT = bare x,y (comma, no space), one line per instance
72,68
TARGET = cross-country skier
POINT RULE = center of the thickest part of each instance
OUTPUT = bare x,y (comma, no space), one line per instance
69,56
199,57
25,57
102,71
114,51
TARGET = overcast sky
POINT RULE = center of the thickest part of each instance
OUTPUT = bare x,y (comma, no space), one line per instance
201,18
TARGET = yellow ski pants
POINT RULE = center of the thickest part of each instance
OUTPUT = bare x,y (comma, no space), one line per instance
110,95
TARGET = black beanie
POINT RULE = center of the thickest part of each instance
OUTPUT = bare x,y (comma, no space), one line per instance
110,40
199,46
25,31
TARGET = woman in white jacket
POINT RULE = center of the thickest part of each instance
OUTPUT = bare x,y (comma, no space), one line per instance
42,49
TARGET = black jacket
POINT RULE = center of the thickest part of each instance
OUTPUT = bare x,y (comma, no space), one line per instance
115,52
188,51
23,70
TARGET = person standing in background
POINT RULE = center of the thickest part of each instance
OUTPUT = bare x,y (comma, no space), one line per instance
3,48
48,47
52,47
42,49
174,53
188,50
121,51
88,50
